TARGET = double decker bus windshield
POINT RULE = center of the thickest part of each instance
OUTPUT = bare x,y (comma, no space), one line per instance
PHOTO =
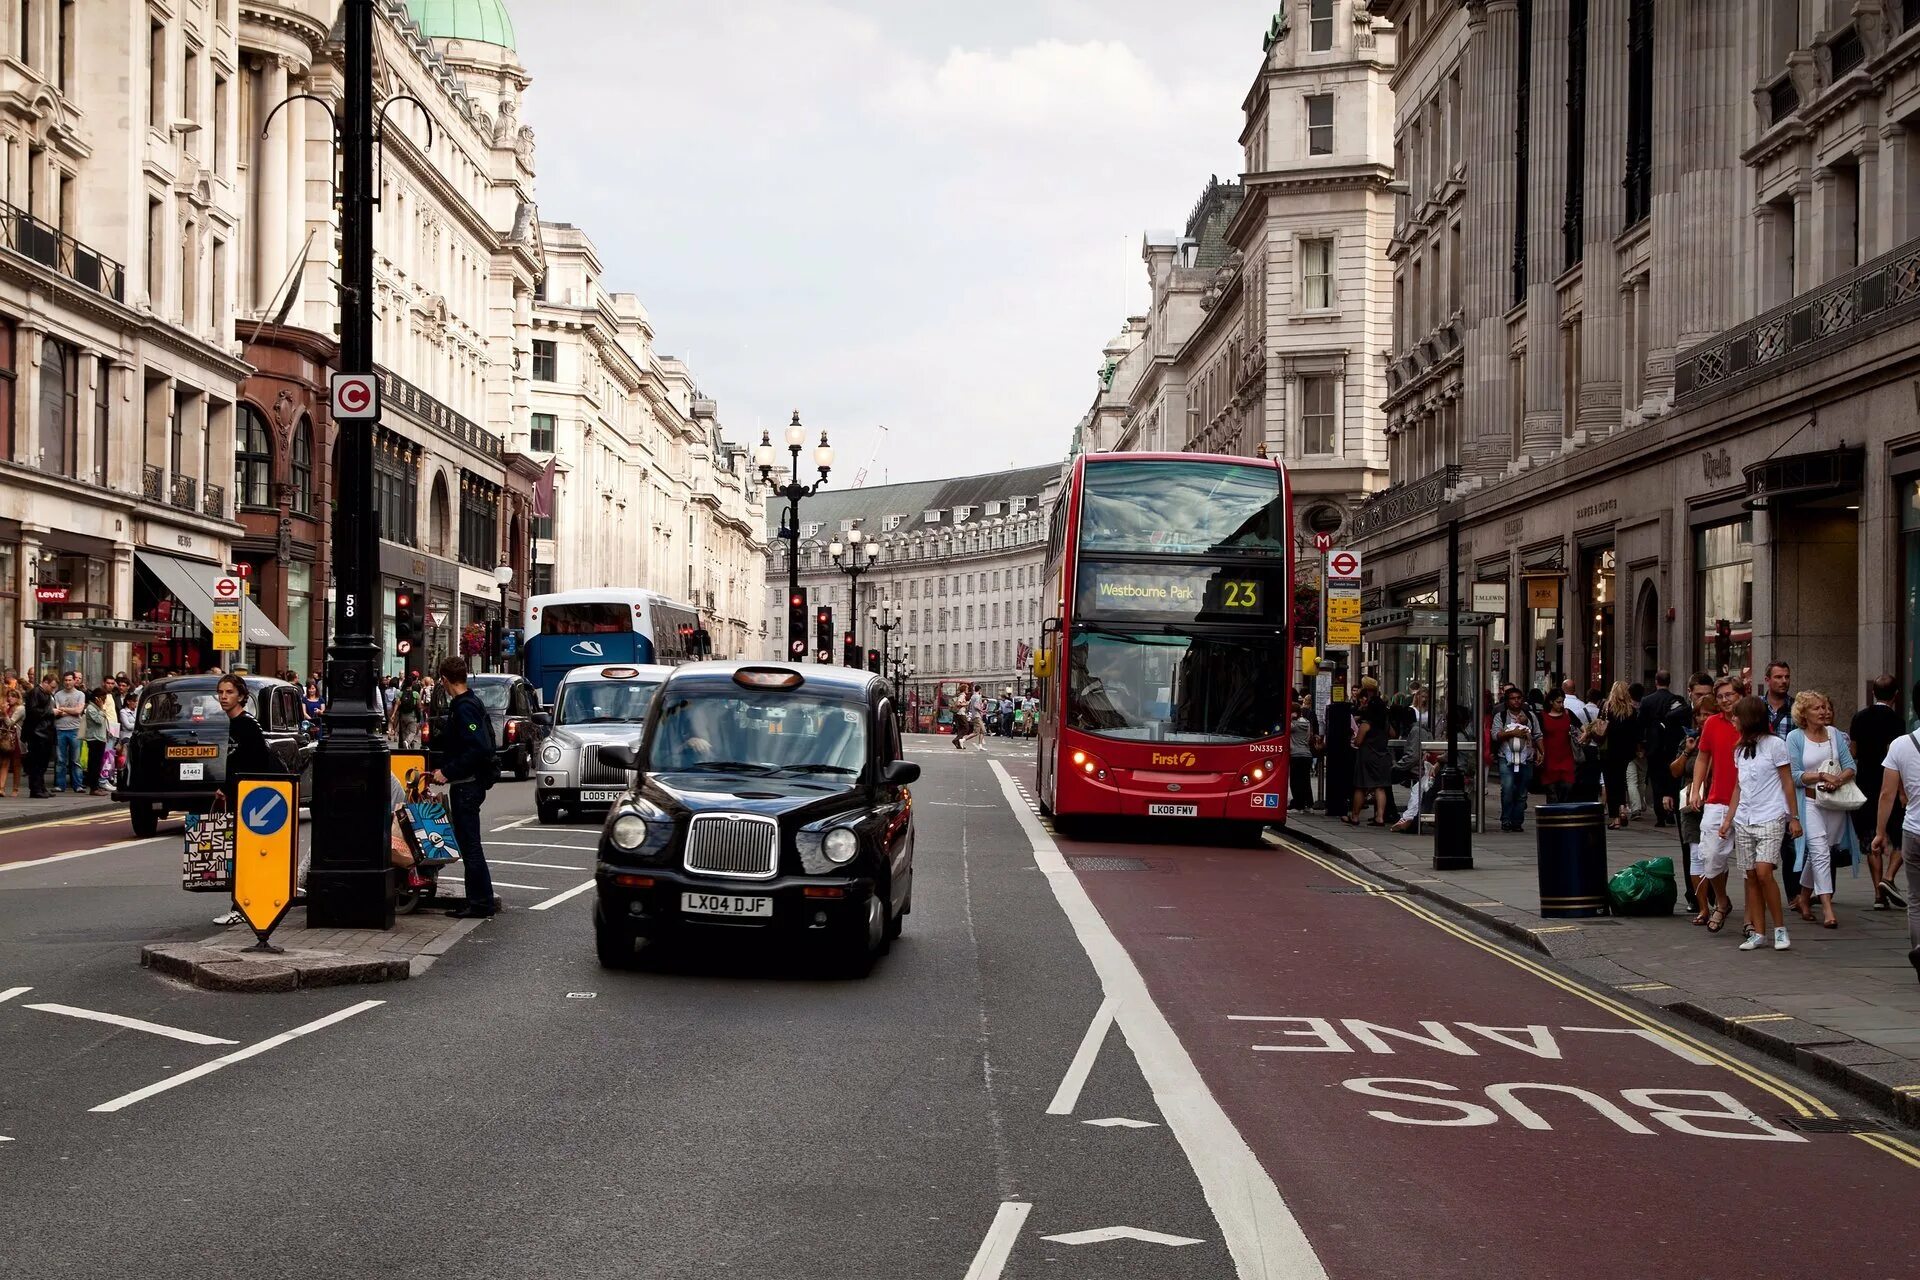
1157,506
1176,688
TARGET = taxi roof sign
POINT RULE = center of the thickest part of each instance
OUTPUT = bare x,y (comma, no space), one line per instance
619,673
768,678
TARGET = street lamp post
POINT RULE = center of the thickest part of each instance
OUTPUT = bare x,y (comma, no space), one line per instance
1452,828
793,491
854,558
886,616
504,576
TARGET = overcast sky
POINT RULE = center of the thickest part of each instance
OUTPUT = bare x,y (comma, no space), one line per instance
901,212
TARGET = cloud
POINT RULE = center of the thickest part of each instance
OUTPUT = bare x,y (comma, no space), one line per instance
1046,87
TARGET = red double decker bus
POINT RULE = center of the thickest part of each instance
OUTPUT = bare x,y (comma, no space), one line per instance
1166,667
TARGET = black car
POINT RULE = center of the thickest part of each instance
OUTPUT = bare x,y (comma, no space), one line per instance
176,757
519,725
769,799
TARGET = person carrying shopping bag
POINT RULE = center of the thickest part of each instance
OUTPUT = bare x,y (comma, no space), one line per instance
1762,798
1823,775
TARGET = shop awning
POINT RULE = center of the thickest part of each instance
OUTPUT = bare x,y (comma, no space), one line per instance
192,583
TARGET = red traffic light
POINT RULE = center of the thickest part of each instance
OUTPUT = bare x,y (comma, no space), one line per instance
798,600
403,600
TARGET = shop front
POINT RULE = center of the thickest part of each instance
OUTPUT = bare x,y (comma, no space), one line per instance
179,595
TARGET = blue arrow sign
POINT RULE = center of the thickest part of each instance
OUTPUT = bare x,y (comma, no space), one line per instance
265,816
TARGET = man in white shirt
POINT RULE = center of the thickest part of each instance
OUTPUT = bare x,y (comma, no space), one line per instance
1903,770
1580,710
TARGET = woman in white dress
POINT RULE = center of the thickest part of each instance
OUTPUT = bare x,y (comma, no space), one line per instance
1809,749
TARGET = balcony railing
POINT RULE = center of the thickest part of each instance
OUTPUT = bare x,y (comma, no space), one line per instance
152,482
1909,14
1845,51
216,503
1783,99
1874,296
185,489
51,247
1404,501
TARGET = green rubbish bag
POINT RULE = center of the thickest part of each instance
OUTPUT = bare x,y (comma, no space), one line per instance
1644,889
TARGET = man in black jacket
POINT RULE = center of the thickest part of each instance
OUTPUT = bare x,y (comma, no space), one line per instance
1873,730
37,735
1664,720
468,764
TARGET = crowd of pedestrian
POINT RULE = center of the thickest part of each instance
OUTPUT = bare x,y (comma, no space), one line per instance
978,714
60,736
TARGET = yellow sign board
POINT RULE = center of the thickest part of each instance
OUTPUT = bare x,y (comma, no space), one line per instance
1543,593
1343,632
226,628
266,840
1343,619
407,766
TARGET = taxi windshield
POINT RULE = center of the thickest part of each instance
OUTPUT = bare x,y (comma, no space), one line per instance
606,701
758,731
181,705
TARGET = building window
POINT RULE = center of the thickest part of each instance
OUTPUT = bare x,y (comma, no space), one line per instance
156,265
157,74
301,475
1523,92
59,408
26,32
9,375
396,489
1723,596
1316,274
479,522
1573,208
63,51
102,421
543,433
1316,415
1639,179
220,123
1320,26
253,460
1320,124
545,359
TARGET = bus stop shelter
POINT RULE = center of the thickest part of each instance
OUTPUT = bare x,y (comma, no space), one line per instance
1407,648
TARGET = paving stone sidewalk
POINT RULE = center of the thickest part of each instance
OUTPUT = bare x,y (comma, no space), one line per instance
1843,1003
309,957
22,811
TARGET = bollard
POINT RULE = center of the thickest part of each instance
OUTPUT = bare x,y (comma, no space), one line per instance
1571,840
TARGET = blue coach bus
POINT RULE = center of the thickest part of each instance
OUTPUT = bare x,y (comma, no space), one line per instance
598,626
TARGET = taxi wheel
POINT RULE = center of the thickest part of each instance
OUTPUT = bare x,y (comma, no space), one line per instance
867,941
145,819
523,766
614,946
549,812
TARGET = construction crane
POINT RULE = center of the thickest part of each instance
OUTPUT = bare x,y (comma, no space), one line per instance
860,476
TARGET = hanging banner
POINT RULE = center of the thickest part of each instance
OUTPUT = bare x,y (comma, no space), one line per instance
1543,593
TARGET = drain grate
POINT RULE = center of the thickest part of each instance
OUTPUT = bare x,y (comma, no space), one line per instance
1096,863
1833,1124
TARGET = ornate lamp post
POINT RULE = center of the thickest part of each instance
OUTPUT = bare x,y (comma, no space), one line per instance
854,558
793,491
886,616
503,574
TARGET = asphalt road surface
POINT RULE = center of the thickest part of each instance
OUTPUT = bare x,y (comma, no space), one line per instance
1114,1056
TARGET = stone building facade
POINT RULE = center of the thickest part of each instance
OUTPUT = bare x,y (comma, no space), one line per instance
961,557
648,491
1270,308
1668,391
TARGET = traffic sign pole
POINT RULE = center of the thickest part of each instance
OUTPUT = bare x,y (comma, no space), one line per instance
350,884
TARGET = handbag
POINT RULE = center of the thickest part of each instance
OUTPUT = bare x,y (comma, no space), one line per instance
1844,798
1690,826
206,855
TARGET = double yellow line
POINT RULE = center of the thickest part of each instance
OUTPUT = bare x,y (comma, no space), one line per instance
1803,1103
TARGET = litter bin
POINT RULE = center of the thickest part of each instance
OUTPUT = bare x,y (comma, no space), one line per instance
1571,841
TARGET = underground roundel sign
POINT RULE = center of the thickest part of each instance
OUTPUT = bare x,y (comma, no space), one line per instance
355,396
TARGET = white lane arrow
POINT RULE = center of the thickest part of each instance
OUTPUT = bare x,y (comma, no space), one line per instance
1121,1122
1099,1235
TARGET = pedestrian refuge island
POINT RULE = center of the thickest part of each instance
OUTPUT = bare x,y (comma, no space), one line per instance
1405,647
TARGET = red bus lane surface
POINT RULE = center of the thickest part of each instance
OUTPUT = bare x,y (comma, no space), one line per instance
1428,1107
76,835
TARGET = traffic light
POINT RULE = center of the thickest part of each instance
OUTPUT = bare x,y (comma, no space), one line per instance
797,625
823,632
850,648
873,659
407,632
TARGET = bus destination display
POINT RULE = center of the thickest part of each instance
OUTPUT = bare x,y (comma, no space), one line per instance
1222,594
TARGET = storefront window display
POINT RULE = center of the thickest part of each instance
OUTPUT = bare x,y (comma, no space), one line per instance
300,617
1723,596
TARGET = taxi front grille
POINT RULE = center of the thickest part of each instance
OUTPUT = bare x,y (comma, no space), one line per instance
593,770
743,846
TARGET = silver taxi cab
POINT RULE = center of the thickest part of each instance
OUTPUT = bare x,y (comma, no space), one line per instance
592,707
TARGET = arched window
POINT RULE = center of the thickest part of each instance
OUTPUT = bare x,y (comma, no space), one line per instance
253,460
302,476
439,518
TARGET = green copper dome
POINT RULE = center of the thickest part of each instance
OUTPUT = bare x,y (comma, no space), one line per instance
483,20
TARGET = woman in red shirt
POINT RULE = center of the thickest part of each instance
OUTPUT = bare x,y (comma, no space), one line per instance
1556,728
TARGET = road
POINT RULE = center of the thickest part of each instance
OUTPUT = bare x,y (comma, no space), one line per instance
1097,1057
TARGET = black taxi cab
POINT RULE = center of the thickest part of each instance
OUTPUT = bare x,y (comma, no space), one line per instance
176,756
768,799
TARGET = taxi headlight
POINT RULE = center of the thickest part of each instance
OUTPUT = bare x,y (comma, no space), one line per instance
840,846
629,831
549,754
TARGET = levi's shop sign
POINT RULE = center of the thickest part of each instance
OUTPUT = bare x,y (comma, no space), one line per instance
52,595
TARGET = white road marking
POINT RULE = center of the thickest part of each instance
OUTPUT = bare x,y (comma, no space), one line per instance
11,992
508,826
559,898
1068,1093
1671,1045
498,884
81,853
994,1250
544,866
126,1100
1261,1233
544,844
132,1024
1100,1235
1121,1122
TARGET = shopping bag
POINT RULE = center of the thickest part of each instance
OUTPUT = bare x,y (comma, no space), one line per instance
431,833
1644,889
206,859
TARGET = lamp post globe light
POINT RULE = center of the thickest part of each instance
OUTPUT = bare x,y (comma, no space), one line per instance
503,574
765,457
853,558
